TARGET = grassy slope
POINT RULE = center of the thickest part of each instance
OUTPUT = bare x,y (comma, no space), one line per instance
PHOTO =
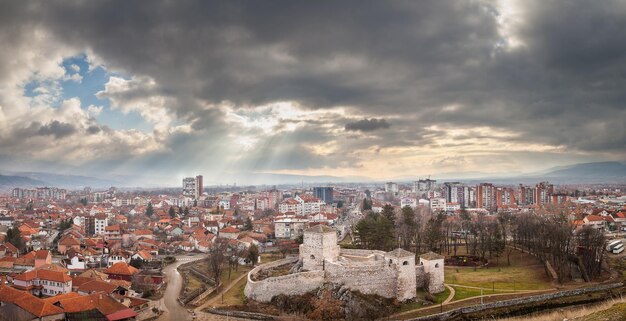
524,273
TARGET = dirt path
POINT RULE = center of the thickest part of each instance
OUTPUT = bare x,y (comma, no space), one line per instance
496,290
451,296
459,302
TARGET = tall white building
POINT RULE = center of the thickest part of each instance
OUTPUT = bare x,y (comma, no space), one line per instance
424,185
391,187
193,186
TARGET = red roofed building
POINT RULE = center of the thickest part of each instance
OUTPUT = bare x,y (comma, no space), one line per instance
68,242
43,282
594,221
121,271
229,232
105,304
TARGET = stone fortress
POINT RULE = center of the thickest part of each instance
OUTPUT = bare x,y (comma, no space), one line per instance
391,274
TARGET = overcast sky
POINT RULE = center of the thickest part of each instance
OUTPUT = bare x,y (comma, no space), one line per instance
370,88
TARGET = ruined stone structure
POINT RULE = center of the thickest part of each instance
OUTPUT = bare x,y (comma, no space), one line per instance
388,274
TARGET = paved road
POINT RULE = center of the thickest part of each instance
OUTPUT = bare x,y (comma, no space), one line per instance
169,302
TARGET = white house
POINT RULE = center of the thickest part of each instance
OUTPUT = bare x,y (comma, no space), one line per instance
43,282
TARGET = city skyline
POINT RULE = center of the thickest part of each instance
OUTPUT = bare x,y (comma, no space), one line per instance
349,89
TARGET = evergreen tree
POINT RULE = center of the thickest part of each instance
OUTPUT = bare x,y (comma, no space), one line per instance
367,205
172,212
389,213
149,210
65,224
253,254
375,232
14,236
408,228
247,226
186,211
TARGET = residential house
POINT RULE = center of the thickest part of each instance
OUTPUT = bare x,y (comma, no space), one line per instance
43,282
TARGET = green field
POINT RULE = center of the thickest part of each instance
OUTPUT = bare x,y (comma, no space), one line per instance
524,273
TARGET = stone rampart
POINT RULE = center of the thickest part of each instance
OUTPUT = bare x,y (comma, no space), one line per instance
378,279
291,284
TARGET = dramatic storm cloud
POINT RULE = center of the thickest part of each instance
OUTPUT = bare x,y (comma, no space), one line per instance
367,125
369,88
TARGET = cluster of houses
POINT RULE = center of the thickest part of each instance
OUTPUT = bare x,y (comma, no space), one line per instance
34,288
601,218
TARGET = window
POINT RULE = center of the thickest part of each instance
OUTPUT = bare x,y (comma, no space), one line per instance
405,263
312,257
436,265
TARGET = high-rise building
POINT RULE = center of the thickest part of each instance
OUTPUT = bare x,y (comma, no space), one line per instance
199,186
391,187
542,193
457,193
525,195
505,197
424,185
324,193
192,186
486,196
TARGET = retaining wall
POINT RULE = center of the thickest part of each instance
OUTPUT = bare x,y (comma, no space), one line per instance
508,303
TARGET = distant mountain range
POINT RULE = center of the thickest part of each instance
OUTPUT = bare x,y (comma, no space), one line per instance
18,181
41,179
599,172
585,173
589,170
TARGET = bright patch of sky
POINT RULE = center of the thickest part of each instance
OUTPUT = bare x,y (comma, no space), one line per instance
83,82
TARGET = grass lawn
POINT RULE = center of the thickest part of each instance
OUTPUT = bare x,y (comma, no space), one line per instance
461,293
235,295
193,283
524,273
439,298
270,257
225,280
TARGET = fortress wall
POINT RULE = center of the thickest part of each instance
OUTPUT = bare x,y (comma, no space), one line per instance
379,279
420,276
357,252
292,284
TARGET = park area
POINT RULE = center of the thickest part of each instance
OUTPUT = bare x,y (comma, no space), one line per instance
496,281
525,273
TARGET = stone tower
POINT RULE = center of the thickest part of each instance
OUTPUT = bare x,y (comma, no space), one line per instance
433,268
319,244
404,263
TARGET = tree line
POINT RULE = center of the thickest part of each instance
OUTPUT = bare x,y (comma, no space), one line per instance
548,236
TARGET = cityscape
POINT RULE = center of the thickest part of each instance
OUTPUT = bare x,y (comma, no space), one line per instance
322,160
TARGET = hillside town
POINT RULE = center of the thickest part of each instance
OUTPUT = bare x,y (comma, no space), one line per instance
67,254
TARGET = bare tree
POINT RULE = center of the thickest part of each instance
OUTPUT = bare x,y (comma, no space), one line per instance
216,258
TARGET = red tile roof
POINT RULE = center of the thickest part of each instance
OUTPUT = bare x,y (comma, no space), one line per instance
229,229
121,268
48,275
37,306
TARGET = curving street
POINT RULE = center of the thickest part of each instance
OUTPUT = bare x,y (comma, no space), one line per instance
169,302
